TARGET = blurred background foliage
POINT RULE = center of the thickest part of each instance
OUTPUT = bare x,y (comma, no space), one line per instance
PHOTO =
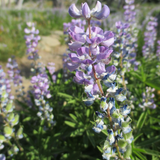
49,15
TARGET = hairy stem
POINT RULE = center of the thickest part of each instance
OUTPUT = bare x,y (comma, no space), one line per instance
101,90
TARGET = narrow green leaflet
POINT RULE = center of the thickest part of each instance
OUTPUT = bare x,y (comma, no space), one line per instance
90,136
141,120
138,154
64,95
73,117
71,124
149,142
148,151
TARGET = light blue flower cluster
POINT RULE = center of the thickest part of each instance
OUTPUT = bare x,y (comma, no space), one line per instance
9,118
92,51
148,99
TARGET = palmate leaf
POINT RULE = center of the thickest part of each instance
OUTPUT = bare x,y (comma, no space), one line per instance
136,137
73,117
147,151
141,120
100,149
155,127
139,155
154,83
149,142
91,137
64,95
77,132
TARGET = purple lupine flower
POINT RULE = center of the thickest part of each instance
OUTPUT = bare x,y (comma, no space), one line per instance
32,39
41,90
129,13
41,85
158,50
91,56
14,72
149,38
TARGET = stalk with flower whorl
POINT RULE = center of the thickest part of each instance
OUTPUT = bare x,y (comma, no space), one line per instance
90,59
131,39
149,38
32,39
129,14
14,75
41,93
10,119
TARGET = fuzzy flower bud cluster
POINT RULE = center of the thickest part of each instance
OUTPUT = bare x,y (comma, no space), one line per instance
41,93
148,99
90,58
149,38
10,119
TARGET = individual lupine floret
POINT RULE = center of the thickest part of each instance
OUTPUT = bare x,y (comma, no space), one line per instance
148,99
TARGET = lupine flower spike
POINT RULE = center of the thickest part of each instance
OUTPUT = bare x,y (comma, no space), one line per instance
9,118
91,56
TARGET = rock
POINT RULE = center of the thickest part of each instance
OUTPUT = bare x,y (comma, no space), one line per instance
58,33
50,41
